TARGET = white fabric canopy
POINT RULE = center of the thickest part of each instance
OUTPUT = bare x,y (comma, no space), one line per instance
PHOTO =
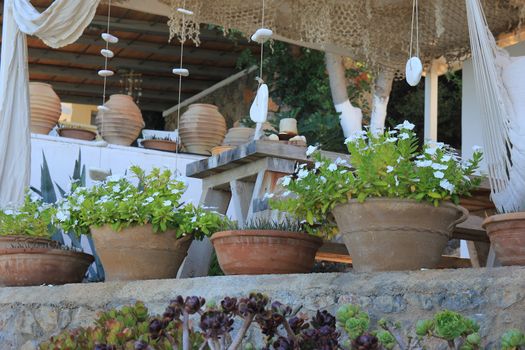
61,24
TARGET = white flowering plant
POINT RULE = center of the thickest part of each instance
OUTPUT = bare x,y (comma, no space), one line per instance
33,219
387,164
134,200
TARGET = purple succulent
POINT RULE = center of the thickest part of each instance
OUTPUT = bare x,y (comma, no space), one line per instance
253,305
229,305
215,324
366,341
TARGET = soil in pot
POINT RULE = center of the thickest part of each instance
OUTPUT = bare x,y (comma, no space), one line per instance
137,253
255,252
79,134
389,234
507,235
160,145
35,261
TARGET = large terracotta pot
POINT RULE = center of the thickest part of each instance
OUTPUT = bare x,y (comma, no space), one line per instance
255,252
137,253
45,108
122,124
507,236
388,234
202,127
34,261
238,136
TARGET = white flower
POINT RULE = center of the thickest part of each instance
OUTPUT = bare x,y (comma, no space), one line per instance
302,173
155,194
318,165
477,148
343,171
340,161
446,158
445,184
404,136
166,203
194,219
391,139
423,163
392,132
405,126
399,159
286,180
114,178
268,195
389,169
287,193
397,181
310,150
62,216
81,199
434,144
323,179
116,188
149,200
466,178
437,166
430,150
332,167
439,174
358,135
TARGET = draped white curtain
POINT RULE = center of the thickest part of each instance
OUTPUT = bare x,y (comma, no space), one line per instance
59,25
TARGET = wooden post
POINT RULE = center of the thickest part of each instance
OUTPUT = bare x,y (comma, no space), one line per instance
431,102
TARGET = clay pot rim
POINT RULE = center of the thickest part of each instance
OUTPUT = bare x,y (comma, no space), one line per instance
497,218
446,204
131,227
206,105
159,141
77,129
267,233
53,251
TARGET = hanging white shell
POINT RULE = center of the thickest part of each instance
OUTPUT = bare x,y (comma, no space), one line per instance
184,11
105,73
107,53
259,108
414,70
181,71
109,38
103,109
262,35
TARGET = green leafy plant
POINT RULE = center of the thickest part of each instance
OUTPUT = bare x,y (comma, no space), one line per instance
260,224
137,199
32,219
459,331
382,165
513,339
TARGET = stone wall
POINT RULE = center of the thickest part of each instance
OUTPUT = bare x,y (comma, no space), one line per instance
494,297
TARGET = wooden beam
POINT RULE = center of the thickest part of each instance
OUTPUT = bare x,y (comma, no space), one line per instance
148,82
431,103
138,65
209,90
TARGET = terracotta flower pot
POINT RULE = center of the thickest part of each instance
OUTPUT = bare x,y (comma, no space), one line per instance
202,127
122,124
137,253
45,107
507,236
238,136
254,252
34,261
79,134
388,234
160,145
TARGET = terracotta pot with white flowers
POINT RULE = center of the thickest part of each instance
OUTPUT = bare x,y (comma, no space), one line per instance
140,227
395,206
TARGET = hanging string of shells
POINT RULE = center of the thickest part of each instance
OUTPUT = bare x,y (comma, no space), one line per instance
107,54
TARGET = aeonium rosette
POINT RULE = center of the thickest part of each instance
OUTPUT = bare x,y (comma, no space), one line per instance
133,200
382,164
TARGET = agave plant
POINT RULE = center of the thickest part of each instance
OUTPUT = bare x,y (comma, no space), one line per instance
48,194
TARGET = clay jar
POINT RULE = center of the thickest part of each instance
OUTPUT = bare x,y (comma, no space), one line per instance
507,235
238,136
121,125
202,127
45,107
389,234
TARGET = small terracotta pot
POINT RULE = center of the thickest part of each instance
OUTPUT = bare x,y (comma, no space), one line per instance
79,134
160,145
254,252
507,236
31,262
137,253
389,234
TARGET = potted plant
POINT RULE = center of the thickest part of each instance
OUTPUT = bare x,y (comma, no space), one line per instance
160,144
266,247
395,207
140,227
28,256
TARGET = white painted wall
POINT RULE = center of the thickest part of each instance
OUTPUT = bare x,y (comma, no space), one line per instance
61,154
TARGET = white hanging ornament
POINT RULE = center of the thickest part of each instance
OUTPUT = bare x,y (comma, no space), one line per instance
109,38
106,73
184,11
414,71
107,53
181,71
259,109
102,109
262,35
